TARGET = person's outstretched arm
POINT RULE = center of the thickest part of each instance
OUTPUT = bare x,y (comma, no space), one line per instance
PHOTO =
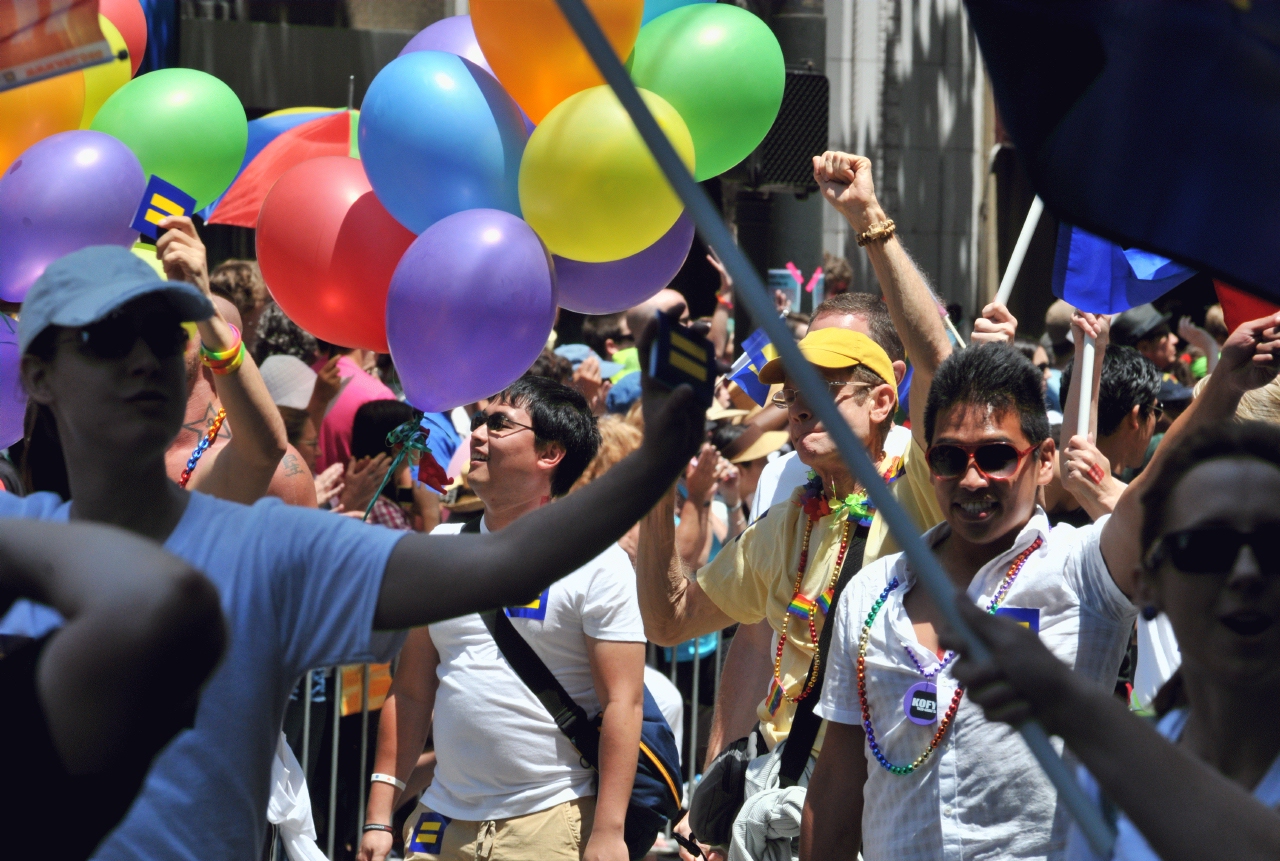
143,632
1185,809
243,469
847,185
434,577
1250,359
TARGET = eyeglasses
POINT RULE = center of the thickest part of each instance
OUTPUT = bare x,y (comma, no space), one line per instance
1214,549
995,461
114,336
1156,410
1042,367
499,424
784,398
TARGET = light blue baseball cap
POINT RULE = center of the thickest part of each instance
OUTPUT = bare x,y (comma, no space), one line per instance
579,353
87,285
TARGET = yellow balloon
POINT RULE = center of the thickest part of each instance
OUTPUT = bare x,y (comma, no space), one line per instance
588,184
102,80
33,112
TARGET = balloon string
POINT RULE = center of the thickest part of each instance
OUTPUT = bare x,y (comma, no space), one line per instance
410,436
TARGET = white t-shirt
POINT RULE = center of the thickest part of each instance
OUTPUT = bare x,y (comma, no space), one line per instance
981,794
1130,844
299,588
498,752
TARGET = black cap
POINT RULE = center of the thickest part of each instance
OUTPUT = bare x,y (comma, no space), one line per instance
1135,324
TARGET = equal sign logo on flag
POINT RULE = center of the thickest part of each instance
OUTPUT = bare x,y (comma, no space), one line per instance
161,200
1100,277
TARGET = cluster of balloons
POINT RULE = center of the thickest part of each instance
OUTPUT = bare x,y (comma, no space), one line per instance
495,177
518,183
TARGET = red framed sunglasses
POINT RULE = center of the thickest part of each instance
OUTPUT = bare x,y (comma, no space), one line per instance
995,461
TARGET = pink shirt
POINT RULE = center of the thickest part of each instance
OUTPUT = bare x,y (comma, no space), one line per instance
358,388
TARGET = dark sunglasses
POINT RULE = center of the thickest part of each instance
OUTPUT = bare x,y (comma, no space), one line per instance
114,336
1214,549
996,461
498,423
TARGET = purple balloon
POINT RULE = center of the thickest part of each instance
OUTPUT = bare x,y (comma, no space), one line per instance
67,192
469,308
453,35
13,399
605,288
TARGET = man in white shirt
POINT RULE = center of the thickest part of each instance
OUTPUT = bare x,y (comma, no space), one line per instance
508,785
910,769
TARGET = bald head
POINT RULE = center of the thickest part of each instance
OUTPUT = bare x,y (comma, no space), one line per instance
229,312
666,300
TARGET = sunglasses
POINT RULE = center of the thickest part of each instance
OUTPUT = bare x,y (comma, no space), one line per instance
1214,549
114,336
784,398
995,461
499,424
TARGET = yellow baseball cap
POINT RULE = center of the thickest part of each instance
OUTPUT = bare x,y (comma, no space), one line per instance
836,348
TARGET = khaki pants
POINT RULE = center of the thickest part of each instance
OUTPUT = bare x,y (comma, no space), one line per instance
556,834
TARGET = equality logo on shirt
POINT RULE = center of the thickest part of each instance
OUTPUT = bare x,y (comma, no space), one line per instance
535,609
1027,618
428,833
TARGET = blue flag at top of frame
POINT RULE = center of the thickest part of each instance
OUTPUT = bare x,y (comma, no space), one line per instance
1102,278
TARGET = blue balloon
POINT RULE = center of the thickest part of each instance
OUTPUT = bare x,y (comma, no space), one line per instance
439,135
654,8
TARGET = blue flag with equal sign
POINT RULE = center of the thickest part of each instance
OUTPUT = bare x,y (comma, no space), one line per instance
1102,278
745,371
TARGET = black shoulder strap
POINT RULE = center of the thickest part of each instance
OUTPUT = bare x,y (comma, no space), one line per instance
805,724
568,715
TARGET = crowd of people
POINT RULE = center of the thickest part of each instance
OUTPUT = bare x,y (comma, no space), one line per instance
210,503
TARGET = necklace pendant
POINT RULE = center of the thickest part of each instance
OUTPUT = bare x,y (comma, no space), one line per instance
921,703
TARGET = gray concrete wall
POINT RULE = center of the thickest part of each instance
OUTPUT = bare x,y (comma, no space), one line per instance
907,91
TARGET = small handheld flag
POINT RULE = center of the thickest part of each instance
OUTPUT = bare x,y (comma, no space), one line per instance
161,200
745,371
1100,277
681,357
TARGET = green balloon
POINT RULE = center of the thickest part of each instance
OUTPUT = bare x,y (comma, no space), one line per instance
721,68
185,126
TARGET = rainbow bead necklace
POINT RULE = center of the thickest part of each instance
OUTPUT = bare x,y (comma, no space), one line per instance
1014,569
202,447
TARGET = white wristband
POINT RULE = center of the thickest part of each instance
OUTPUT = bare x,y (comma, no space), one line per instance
386,778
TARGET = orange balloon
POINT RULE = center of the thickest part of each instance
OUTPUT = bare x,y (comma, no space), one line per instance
32,112
535,54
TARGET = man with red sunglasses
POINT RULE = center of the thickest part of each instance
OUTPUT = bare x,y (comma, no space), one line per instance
910,768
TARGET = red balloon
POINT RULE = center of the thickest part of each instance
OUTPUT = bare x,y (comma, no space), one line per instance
131,21
327,249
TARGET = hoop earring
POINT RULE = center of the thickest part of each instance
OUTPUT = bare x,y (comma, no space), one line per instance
1149,612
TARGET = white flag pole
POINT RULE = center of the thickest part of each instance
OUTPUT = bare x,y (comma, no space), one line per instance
1020,251
1084,374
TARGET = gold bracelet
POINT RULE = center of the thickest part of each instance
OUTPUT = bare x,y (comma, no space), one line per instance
878,232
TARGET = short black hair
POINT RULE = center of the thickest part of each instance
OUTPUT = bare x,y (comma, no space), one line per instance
725,435
879,323
559,415
1260,440
373,421
1129,379
994,375
1026,348
598,328
551,366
